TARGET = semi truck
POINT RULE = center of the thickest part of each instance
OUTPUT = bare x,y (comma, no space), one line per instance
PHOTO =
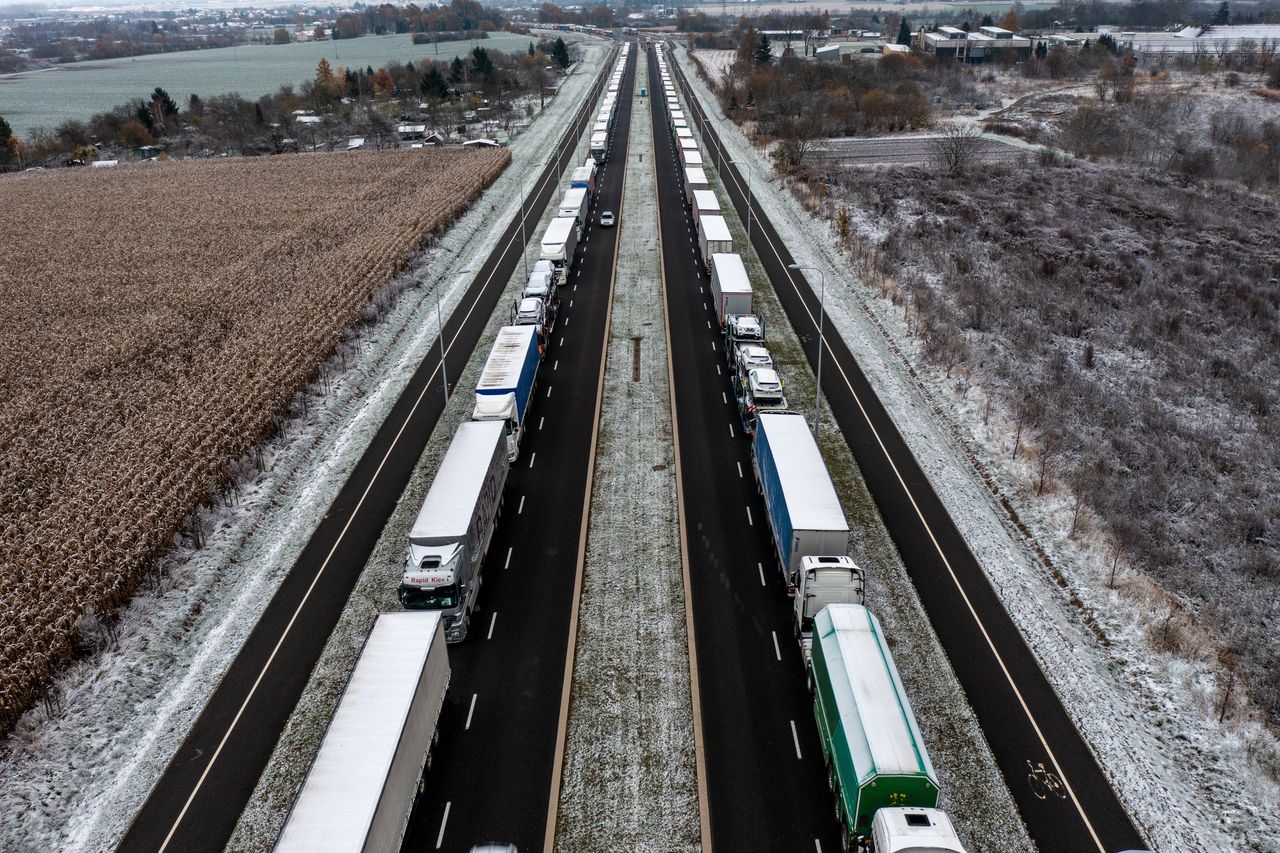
585,177
714,237
507,382
730,286
599,146
705,203
558,244
875,755
805,515
359,791
450,537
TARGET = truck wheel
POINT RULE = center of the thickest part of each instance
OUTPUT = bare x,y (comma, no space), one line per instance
845,846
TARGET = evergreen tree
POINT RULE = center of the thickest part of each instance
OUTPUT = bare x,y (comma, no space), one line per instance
560,53
257,114
1223,15
763,56
904,33
531,50
434,85
482,65
457,70
6,143
986,21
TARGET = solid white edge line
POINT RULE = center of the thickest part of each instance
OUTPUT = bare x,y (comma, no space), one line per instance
938,547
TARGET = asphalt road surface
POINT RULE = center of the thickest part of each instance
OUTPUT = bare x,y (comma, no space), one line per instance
1065,800
197,801
491,771
766,781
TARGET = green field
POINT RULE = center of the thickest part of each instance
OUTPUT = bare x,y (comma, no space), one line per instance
78,90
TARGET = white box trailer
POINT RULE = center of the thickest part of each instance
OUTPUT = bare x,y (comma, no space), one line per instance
691,158
558,244
714,238
450,537
730,286
705,203
574,205
694,179
360,789
683,133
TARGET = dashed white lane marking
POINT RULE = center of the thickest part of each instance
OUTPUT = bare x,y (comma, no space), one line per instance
467,727
494,620
777,651
555,366
520,509
724,397
795,738
730,430
548,390
760,566
739,464
506,563
750,521
540,420
533,457
444,821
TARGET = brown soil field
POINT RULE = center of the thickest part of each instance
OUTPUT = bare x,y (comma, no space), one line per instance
157,321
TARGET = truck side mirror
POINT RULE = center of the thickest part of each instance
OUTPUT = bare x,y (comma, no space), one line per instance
793,579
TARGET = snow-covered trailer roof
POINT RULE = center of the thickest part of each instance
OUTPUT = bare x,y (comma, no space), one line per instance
336,807
714,226
506,360
689,142
558,231
730,273
695,175
446,513
810,497
874,708
706,201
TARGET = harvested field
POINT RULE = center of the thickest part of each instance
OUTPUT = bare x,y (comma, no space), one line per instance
157,323
904,151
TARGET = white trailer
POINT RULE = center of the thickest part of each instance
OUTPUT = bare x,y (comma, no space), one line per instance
360,789
691,158
730,286
450,537
559,243
714,237
705,203
694,179
574,205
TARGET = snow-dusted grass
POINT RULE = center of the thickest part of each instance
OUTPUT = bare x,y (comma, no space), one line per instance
375,592
629,773
973,791
1186,780
73,780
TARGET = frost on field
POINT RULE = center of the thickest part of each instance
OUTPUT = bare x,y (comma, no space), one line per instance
156,324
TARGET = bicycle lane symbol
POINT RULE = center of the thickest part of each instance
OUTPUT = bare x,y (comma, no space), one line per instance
1044,782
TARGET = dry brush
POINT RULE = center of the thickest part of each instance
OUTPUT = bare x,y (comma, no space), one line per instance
157,323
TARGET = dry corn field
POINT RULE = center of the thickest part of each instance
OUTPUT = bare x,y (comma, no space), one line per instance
155,322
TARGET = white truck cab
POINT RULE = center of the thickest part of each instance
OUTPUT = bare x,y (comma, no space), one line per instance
911,830
822,581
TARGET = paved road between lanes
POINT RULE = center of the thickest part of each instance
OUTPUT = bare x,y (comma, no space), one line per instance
766,781
198,799
493,769
1065,800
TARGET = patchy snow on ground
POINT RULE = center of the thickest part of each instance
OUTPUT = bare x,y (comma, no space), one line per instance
375,592
630,777
973,790
1187,781
72,778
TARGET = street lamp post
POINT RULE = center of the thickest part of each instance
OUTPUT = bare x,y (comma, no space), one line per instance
750,173
822,304
444,371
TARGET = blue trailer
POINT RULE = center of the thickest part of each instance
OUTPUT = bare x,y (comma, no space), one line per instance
805,515
507,381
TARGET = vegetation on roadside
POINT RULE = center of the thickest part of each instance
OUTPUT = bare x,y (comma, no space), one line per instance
211,309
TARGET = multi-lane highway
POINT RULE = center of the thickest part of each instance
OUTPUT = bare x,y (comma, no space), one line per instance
1064,798
197,801
766,781
491,775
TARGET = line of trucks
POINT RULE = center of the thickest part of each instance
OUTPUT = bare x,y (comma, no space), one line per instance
602,132
359,792
885,787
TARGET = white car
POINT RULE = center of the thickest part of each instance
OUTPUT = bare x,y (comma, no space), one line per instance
606,219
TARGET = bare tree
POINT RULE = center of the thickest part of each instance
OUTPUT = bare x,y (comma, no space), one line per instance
957,148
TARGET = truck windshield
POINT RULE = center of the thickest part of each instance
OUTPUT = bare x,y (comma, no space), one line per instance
434,598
